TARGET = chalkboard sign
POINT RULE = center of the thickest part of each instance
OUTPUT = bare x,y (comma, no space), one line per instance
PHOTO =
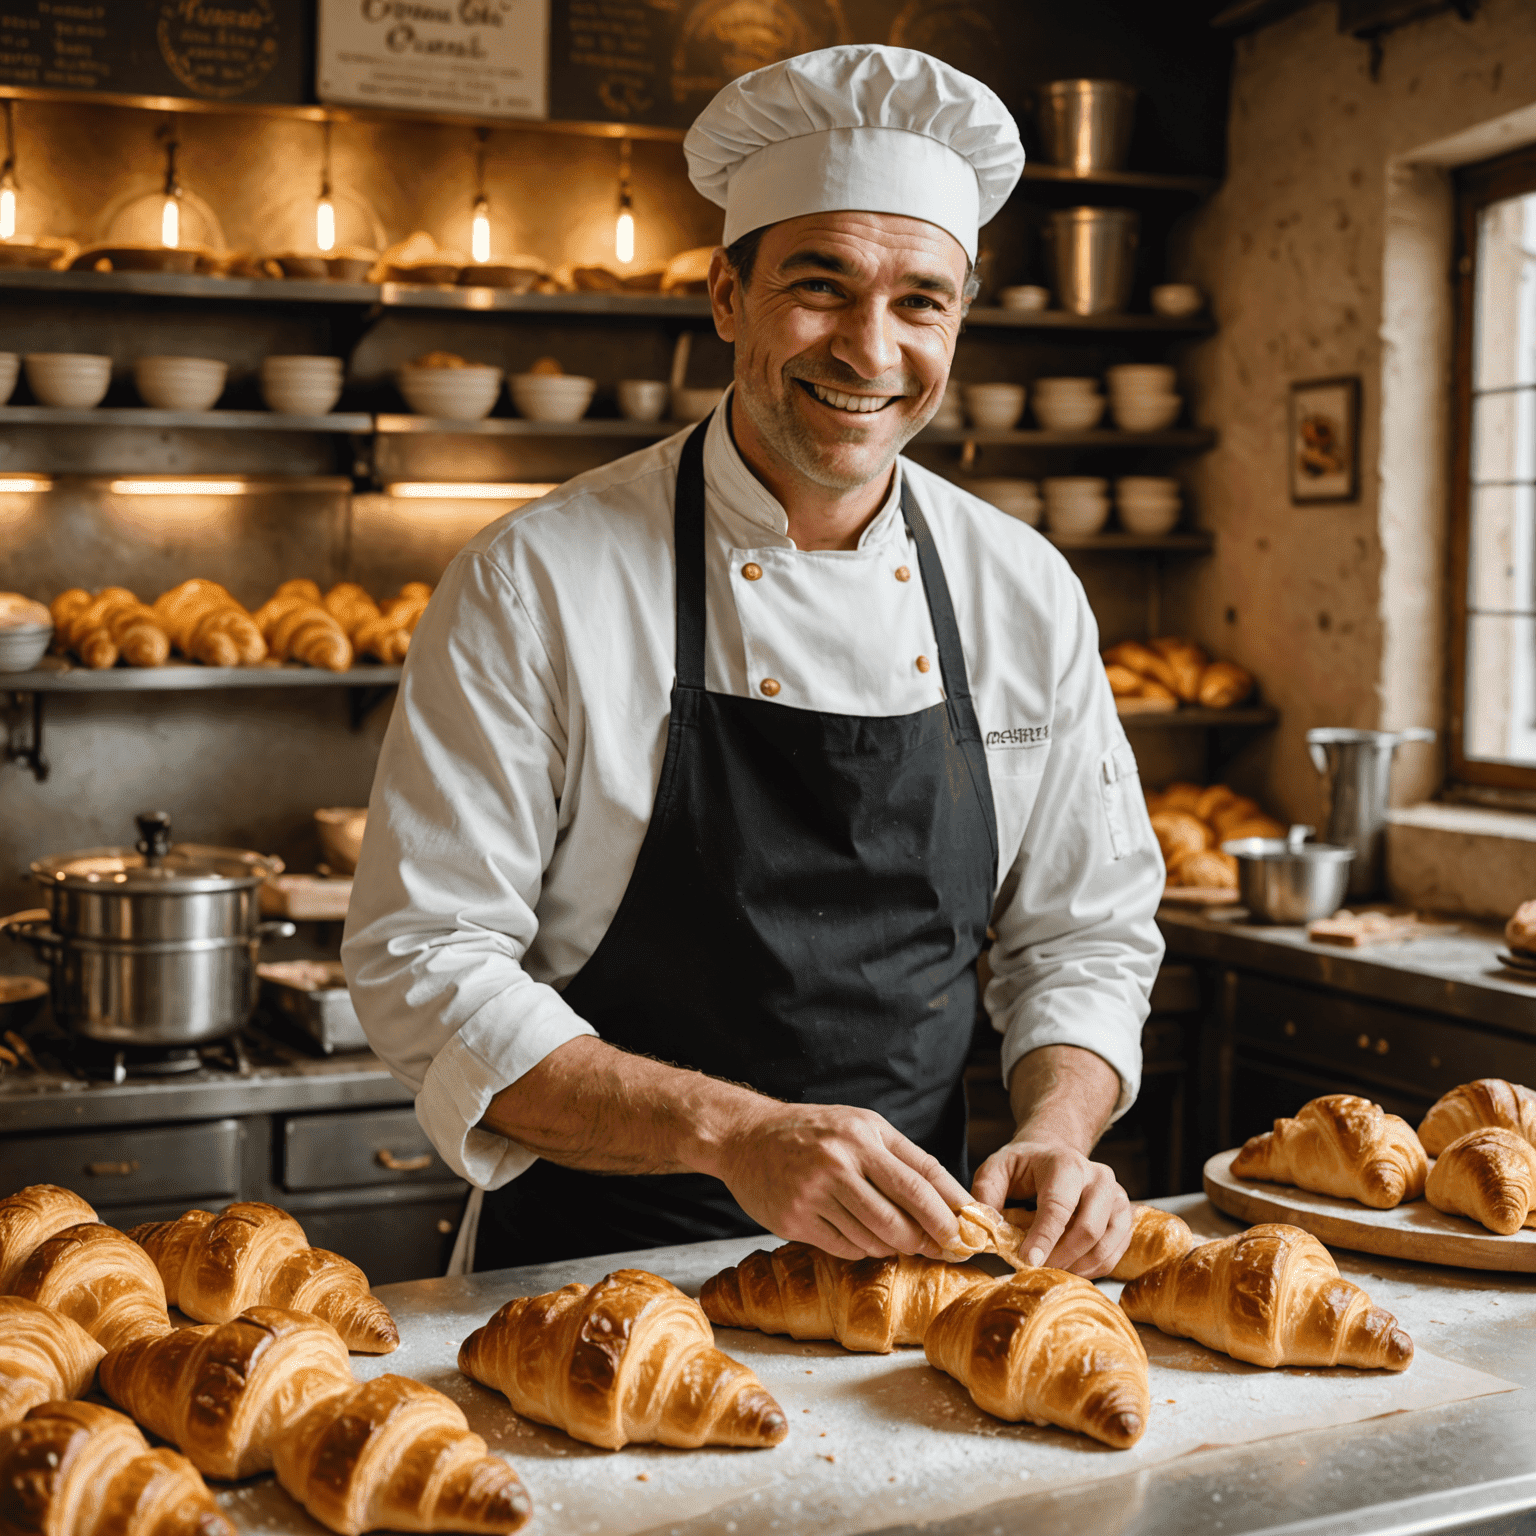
210,50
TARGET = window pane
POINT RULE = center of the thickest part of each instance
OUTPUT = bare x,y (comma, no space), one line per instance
1504,436
1504,344
1503,559
1500,723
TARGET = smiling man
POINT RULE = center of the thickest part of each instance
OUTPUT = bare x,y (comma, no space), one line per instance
710,772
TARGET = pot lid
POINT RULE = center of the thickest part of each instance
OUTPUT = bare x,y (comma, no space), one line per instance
155,865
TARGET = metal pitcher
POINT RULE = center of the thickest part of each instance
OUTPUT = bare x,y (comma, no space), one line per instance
1093,258
1358,766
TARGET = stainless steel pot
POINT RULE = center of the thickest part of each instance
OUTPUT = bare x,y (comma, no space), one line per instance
1093,255
154,944
1291,880
1085,125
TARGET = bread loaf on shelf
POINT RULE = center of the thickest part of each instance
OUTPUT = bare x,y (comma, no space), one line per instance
99,1279
1487,1101
43,1355
28,1217
114,624
628,1359
1048,1347
296,627
870,1305
1490,1175
206,624
253,1254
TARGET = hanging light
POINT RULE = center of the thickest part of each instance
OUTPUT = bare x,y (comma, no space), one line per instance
624,228
8,185
480,217
170,209
325,209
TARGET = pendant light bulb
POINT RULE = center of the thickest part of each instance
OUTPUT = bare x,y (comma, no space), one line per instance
480,231
325,224
170,223
8,187
7,210
624,226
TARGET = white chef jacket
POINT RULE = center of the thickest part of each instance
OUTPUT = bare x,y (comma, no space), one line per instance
517,774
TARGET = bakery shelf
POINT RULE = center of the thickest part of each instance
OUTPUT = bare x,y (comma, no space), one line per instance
1130,181
994,317
181,677
144,416
1176,437
649,306
517,426
1196,542
1186,718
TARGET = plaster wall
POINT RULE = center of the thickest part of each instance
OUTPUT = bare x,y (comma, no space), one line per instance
1327,252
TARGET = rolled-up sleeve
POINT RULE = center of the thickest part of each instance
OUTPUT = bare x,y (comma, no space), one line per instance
461,826
1077,945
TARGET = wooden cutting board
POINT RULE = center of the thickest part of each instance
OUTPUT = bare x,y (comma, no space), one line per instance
1415,1230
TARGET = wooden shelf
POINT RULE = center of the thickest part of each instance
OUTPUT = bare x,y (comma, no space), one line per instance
144,416
185,677
995,317
1130,181
1194,542
1175,437
518,426
1187,718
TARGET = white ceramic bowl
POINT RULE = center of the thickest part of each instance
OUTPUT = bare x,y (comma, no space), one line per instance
695,404
303,367
1018,498
68,381
1152,414
10,367
22,646
1076,517
642,399
1147,485
552,397
993,407
301,397
1076,387
180,383
1024,296
949,413
1155,378
1177,299
451,394
1149,519
1067,413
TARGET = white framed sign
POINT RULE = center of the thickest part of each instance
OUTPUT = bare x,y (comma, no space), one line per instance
482,58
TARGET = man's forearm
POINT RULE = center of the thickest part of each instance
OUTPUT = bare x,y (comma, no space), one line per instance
1064,1094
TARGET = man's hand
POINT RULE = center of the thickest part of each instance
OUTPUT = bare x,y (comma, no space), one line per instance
841,1179
1062,1099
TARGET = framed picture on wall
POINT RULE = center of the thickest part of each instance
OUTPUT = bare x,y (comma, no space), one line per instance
1325,440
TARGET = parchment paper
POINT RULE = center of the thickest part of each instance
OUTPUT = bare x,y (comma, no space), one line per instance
877,1440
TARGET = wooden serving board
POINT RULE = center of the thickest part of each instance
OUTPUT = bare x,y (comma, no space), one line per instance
1415,1230
1199,896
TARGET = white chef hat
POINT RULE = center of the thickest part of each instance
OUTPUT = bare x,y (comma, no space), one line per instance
866,127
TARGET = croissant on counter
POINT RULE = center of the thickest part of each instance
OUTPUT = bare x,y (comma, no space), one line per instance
1156,1237
1488,1101
628,1359
30,1216
206,624
224,1392
43,1355
867,1305
296,627
252,1254
1271,1296
1340,1145
1490,1175
110,625
984,1230
79,1469
1048,1347
99,1279
395,1454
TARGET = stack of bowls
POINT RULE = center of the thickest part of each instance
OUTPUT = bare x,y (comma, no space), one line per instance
301,386
993,407
180,383
450,394
1147,504
25,630
552,396
68,381
1076,506
1142,397
10,366
643,399
1068,405
948,415
1018,498
1025,296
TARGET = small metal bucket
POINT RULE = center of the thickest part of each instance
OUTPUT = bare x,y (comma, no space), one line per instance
1085,125
1093,254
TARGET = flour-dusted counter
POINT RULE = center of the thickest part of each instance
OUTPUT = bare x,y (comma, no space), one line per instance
887,1443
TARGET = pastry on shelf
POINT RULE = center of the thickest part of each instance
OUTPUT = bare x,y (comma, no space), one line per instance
250,1254
871,1305
43,1356
206,624
1157,1237
1488,1174
628,1359
1193,820
1519,931
1342,1145
100,1279
1178,667
1223,685
1048,1347
114,624
81,1469
1468,1107
395,1454
383,632
1270,1296
1186,663
296,627
18,611
688,271
29,1217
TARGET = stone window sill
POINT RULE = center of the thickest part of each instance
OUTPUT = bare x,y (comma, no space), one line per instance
1464,859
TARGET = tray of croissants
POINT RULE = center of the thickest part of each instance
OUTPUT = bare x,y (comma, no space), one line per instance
118,1415
1460,1189
1173,672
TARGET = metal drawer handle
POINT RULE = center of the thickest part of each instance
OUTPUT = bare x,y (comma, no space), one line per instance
113,1170
387,1159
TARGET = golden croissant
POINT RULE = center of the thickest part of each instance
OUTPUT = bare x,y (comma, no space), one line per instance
630,1358
27,1218
110,625
206,624
984,1230
100,1279
1049,1347
43,1355
79,1469
1488,1101
252,1254
223,1392
1490,1175
1156,1237
373,632
297,627
1340,1145
1271,1296
869,1305
395,1454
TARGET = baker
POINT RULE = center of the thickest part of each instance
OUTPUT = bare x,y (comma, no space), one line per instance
710,771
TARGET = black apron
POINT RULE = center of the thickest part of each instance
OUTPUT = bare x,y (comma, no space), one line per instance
804,917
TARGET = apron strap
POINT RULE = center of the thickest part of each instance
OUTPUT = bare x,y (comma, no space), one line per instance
957,683
688,559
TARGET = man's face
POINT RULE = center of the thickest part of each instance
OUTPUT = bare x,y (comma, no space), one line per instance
844,336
